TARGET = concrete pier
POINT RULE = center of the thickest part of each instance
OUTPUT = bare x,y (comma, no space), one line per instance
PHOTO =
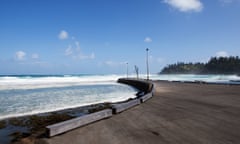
177,113
65,126
142,85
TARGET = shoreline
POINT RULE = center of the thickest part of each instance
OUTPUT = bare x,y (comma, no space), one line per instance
15,128
66,114
35,125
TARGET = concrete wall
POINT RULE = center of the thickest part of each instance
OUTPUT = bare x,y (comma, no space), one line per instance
145,97
65,126
144,86
117,108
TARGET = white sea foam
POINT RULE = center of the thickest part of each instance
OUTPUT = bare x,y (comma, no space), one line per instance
53,81
32,101
192,78
26,95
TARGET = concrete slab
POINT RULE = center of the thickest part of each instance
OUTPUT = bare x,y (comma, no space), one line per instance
117,108
146,97
65,126
178,113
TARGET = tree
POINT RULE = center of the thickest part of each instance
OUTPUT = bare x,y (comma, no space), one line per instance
216,65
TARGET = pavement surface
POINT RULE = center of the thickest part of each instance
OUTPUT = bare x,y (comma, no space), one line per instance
179,113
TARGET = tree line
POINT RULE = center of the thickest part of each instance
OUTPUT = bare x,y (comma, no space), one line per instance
216,65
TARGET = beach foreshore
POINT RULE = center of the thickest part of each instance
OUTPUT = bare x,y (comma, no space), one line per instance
178,113
15,128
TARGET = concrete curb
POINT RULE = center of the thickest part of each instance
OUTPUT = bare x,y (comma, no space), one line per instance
68,125
117,108
147,96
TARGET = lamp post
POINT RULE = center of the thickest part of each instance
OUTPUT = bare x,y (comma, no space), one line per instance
147,49
127,68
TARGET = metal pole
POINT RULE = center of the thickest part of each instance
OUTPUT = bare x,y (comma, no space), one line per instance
147,49
127,69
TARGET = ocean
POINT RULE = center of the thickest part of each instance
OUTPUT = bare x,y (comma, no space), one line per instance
219,79
32,94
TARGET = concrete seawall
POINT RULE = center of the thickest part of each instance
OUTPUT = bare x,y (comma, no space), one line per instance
68,125
140,84
145,88
182,113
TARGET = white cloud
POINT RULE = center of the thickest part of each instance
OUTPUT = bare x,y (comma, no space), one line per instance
76,53
20,55
92,56
83,57
147,40
185,5
63,35
68,51
77,46
158,60
222,54
74,49
35,56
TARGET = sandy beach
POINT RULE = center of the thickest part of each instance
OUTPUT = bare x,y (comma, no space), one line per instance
178,113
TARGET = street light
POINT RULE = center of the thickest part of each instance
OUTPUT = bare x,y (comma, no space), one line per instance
147,49
127,68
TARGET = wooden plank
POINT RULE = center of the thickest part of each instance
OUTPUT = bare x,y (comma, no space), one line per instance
117,108
65,126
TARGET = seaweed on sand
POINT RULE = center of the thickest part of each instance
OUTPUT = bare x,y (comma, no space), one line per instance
36,125
99,107
2,124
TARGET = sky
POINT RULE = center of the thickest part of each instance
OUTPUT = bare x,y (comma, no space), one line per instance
101,36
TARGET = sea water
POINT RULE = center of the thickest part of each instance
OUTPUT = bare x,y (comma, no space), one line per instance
26,95
31,94
219,79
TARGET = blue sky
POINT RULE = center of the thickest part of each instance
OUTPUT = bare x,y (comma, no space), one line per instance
100,36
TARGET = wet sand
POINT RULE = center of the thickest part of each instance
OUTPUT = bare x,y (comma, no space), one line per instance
178,113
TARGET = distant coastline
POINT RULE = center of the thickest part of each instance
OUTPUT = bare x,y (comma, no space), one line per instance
216,65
